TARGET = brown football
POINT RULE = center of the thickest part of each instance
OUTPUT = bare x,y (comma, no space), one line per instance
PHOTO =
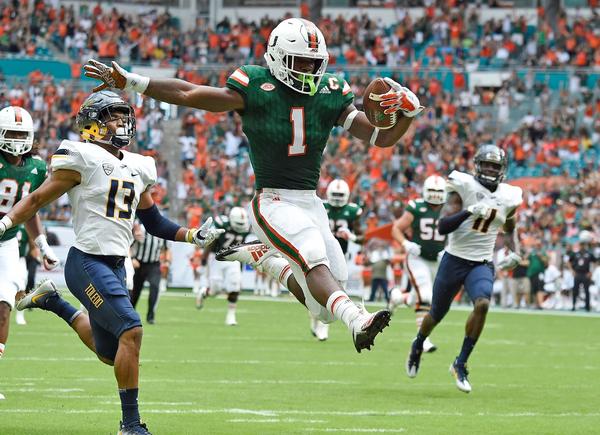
372,108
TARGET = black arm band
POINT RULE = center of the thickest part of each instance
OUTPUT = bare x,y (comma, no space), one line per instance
450,223
156,224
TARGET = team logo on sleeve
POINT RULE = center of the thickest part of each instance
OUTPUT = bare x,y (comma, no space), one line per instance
108,168
267,86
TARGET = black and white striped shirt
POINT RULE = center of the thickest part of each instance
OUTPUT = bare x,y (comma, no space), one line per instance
149,250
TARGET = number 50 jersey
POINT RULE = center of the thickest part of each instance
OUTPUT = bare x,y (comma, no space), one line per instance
105,201
475,238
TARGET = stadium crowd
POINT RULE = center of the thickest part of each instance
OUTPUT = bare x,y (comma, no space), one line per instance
449,34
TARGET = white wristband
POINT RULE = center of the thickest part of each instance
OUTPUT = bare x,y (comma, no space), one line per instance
350,119
137,82
7,222
42,243
374,136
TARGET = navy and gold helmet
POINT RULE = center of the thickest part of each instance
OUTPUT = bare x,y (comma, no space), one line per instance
99,109
491,164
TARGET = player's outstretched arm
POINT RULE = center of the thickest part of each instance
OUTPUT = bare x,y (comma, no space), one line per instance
159,226
173,91
35,231
359,126
60,182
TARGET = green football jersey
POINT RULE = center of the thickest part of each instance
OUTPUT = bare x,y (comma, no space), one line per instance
287,130
229,238
342,217
17,182
425,229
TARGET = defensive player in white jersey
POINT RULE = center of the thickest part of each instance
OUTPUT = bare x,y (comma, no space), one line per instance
288,111
227,275
420,219
107,188
20,174
476,209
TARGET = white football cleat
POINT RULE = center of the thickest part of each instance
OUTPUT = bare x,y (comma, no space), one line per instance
37,297
230,319
321,331
20,318
253,253
460,374
428,346
366,327
2,396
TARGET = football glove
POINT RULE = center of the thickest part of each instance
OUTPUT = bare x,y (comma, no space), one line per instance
115,77
204,235
346,234
5,224
400,98
510,261
479,210
49,258
411,248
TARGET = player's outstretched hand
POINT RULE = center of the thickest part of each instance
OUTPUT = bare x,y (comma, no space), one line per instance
479,210
114,77
510,261
204,235
402,99
49,258
345,234
411,248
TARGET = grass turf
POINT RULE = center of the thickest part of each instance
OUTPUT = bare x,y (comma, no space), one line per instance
530,374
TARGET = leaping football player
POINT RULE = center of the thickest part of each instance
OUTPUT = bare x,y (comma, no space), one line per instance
422,251
288,111
20,174
478,206
107,188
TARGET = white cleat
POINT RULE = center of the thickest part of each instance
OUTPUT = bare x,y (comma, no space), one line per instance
460,374
37,297
2,396
321,331
200,297
428,346
230,319
366,328
253,253
20,318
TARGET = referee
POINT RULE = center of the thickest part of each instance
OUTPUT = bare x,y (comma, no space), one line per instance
145,256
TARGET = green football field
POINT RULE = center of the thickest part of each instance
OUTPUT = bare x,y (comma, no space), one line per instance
531,373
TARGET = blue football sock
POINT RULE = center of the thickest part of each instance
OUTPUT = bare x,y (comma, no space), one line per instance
467,348
418,343
129,406
61,308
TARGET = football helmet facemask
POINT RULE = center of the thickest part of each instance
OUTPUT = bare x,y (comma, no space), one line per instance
16,119
338,193
434,190
238,219
97,111
490,166
293,42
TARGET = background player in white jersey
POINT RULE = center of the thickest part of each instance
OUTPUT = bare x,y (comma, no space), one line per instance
227,275
476,209
20,174
107,188
288,111
420,220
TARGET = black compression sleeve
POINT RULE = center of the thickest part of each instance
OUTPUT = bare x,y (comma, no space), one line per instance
156,224
450,223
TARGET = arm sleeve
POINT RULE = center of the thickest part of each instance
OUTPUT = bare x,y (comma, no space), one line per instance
67,156
156,224
450,223
239,81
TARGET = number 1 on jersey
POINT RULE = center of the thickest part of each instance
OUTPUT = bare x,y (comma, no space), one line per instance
297,147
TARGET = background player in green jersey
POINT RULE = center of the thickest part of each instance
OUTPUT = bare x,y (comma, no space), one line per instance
20,174
420,219
288,111
226,275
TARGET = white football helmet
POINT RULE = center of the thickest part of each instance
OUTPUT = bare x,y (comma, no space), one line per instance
15,118
238,219
338,193
297,38
434,190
